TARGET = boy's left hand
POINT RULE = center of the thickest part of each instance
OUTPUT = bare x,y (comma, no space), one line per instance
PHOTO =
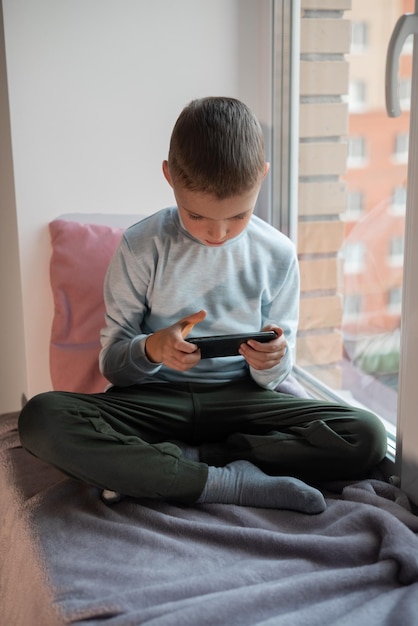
263,356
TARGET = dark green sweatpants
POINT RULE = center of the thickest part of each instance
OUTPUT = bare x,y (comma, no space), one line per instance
121,439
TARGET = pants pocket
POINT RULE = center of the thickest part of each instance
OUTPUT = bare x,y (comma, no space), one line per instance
109,433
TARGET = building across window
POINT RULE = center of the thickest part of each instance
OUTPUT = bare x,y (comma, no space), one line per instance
355,205
359,37
353,305
398,204
395,300
357,155
396,250
354,254
405,93
401,148
357,96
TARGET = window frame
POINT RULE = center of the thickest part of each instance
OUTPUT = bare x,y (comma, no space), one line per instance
407,424
284,217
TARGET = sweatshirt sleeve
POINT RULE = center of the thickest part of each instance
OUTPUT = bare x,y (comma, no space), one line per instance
282,311
122,359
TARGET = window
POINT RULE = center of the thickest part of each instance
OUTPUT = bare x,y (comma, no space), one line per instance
345,164
396,249
405,93
399,199
355,205
356,152
350,204
395,300
357,96
353,305
353,254
401,148
359,37
357,213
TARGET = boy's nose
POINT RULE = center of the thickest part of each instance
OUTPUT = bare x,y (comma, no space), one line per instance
218,230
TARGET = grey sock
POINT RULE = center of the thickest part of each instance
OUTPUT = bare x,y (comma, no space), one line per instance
189,452
245,484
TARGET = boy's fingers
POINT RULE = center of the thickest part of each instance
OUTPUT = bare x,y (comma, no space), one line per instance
188,322
277,329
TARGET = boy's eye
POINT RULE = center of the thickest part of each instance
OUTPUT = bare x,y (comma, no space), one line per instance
193,216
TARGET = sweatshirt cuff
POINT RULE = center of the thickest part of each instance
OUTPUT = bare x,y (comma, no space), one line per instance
269,379
139,357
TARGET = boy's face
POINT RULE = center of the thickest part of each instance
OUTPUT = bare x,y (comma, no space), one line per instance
210,220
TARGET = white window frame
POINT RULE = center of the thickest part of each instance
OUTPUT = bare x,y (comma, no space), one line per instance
407,425
406,465
285,116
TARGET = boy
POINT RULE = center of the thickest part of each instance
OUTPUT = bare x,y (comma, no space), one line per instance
173,425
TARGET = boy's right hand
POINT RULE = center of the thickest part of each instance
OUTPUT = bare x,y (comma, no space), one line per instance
169,347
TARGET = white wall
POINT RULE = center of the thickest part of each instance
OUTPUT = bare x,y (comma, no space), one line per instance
12,345
94,89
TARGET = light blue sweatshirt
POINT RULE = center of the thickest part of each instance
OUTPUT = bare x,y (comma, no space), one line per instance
160,274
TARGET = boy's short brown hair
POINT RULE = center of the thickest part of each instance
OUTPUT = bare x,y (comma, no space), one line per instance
217,147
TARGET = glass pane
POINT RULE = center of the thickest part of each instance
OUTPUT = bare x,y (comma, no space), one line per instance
352,191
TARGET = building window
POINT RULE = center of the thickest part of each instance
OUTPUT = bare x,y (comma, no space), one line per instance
356,152
405,93
395,300
354,255
353,305
400,154
398,205
359,37
396,249
355,205
357,96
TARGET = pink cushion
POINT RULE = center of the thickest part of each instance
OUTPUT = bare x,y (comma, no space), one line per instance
80,256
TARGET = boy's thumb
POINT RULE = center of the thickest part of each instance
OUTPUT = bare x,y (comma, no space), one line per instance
188,322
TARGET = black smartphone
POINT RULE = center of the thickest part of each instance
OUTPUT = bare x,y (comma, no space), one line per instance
228,345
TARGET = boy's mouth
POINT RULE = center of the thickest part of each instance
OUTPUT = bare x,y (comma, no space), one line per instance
215,243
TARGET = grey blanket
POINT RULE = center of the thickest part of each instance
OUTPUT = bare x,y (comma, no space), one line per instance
67,558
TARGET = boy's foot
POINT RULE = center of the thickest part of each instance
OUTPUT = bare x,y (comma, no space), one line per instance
245,484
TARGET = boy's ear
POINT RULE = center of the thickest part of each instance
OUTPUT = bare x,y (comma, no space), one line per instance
266,169
166,173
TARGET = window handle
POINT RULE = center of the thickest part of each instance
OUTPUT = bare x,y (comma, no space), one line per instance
405,26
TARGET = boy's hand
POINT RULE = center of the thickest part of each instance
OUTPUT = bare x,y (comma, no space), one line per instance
263,356
169,347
